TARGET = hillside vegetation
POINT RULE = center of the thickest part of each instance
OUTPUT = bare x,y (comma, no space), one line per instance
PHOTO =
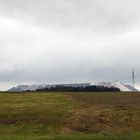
69,116
79,89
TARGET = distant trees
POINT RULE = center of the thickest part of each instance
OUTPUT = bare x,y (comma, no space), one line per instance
79,89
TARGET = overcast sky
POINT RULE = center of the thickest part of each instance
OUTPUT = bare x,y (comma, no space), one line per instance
65,41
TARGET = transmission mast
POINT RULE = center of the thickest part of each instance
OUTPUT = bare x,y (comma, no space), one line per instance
133,77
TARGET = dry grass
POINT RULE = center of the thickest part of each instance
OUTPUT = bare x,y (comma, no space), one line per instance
69,113
106,112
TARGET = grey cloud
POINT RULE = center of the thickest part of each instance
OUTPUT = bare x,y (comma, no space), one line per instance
74,12
69,40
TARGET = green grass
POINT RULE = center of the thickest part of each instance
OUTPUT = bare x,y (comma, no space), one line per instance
70,116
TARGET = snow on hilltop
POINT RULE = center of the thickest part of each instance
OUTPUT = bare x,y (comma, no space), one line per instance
121,86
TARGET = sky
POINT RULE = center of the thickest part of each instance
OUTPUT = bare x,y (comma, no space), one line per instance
68,41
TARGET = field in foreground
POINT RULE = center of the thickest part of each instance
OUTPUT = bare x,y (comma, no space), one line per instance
70,116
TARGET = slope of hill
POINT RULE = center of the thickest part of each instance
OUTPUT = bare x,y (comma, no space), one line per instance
21,88
121,86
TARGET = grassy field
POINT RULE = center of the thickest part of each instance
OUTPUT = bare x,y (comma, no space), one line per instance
70,116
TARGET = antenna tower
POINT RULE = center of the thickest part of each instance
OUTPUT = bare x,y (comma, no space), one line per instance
133,77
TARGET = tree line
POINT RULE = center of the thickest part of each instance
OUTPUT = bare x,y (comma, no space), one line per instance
79,89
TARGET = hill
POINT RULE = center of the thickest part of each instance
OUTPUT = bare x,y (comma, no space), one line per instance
118,85
71,116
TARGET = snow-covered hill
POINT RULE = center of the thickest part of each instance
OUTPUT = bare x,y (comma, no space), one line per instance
21,88
121,86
